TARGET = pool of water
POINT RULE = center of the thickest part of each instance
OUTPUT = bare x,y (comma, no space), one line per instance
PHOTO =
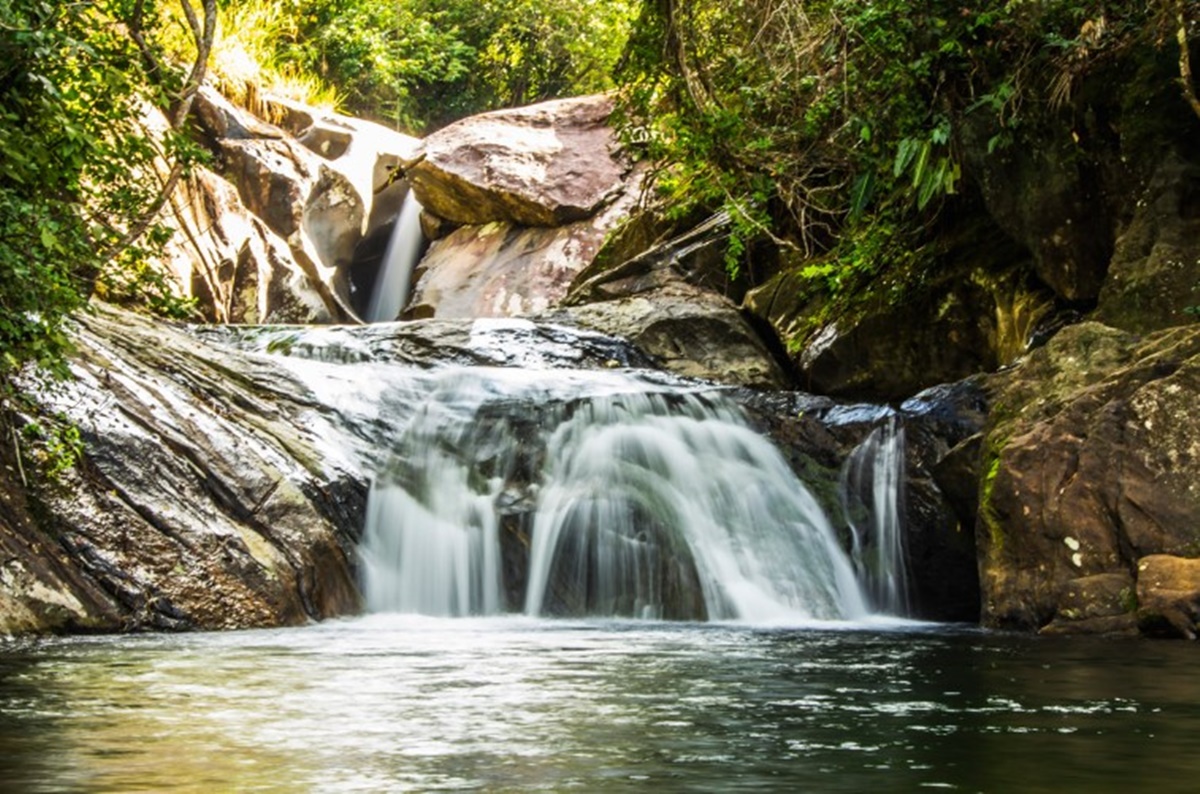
391,703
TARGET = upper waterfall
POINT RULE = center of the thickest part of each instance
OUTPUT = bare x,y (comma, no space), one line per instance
393,282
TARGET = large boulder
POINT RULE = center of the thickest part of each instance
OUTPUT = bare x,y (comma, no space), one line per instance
1168,595
1090,462
202,500
686,330
503,270
543,165
973,309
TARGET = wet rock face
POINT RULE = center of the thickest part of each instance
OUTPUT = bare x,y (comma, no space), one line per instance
1091,462
503,270
204,499
218,490
817,435
685,330
544,165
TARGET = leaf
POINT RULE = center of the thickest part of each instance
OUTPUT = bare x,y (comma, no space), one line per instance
860,194
904,154
49,240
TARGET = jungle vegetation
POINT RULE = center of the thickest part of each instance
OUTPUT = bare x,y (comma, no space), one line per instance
838,129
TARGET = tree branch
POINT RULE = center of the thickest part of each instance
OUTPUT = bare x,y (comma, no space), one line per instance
204,41
1185,59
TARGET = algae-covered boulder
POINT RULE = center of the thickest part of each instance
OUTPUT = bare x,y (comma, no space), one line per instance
1091,462
971,309
1154,279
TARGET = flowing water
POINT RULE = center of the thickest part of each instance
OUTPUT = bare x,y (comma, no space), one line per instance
503,496
626,498
872,489
395,703
390,292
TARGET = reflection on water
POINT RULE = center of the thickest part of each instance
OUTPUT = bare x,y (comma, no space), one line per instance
389,703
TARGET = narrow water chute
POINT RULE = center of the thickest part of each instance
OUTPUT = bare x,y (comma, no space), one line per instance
390,292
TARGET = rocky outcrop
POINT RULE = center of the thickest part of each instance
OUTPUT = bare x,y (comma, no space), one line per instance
820,436
1091,463
204,498
269,235
687,331
225,469
977,310
545,165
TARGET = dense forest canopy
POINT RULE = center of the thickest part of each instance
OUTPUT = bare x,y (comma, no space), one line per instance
834,128
844,125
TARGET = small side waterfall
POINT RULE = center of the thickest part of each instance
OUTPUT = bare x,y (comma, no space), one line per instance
871,487
625,498
390,292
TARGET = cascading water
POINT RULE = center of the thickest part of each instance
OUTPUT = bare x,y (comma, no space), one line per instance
663,505
390,292
628,498
871,482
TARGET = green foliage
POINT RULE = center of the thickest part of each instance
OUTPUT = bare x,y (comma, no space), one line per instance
420,64
817,118
77,171
54,445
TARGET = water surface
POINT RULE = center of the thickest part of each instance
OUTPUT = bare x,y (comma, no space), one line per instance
390,703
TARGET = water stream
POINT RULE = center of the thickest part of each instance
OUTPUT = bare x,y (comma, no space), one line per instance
872,491
392,284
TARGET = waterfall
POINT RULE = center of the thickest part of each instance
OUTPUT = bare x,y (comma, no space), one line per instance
390,292
638,482
626,497
871,482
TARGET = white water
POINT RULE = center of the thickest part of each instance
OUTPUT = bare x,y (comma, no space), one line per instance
637,500
872,479
632,481
390,293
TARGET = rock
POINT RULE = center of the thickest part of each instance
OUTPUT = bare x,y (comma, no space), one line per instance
1152,282
1049,198
273,236
238,269
545,165
1091,462
205,498
502,270
818,435
975,311
1099,604
696,257
687,331
1168,595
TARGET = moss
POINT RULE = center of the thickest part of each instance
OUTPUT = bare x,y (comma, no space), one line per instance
987,511
1128,600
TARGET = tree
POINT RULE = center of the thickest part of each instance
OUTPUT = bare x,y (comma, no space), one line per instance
420,64
79,188
803,119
